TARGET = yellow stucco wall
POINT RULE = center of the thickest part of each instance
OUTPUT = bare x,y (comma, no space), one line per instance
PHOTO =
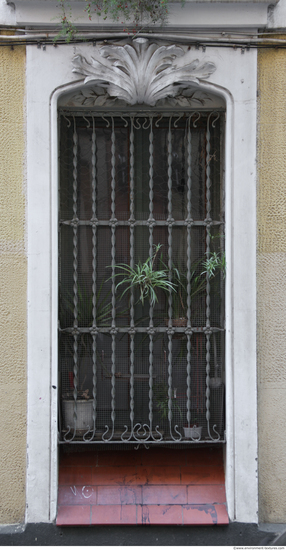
271,284
13,279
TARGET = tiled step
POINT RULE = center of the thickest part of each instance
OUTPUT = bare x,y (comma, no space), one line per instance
156,487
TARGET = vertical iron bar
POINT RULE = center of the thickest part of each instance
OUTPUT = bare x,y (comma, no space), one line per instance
151,324
75,274
189,254
94,265
208,239
94,251
132,243
131,223
113,302
113,223
170,331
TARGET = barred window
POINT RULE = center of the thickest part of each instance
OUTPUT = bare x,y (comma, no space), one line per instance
141,188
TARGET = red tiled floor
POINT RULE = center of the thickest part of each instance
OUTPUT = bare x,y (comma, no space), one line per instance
75,475
162,515
154,486
205,514
203,494
119,495
88,458
73,515
114,515
208,475
115,475
77,494
158,457
204,457
164,494
119,458
139,475
155,475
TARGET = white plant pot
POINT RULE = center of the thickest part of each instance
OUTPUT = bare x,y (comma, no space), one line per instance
84,411
195,432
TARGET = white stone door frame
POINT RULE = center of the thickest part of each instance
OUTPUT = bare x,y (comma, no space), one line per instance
48,76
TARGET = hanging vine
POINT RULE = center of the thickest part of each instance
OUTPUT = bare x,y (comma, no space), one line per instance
133,15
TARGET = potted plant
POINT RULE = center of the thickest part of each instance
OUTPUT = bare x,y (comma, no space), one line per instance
81,394
149,280
193,431
161,394
84,410
180,298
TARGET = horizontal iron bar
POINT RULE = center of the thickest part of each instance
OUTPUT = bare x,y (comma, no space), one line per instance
127,330
127,223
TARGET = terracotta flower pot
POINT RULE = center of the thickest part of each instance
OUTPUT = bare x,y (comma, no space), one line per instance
179,322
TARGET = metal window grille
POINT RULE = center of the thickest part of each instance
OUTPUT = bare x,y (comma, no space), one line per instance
133,373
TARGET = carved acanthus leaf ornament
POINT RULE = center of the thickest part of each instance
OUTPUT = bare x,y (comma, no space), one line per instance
142,72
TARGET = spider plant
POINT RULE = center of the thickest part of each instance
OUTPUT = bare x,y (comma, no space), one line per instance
197,288
85,307
216,262
84,317
146,278
85,320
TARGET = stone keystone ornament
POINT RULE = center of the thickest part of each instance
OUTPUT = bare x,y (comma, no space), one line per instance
142,72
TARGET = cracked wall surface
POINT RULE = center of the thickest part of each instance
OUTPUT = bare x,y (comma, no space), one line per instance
13,282
271,284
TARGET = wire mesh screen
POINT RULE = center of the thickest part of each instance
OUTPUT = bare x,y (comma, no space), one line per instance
141,278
